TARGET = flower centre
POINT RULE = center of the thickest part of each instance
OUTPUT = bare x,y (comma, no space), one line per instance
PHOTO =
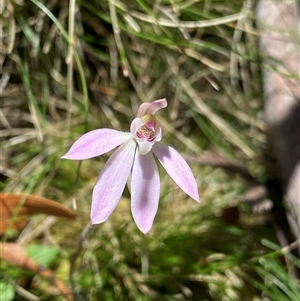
148,130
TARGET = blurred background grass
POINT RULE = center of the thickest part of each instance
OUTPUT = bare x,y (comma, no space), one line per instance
72,67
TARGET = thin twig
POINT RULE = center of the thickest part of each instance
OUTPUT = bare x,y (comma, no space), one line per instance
180,24
69,59
117,34
84,234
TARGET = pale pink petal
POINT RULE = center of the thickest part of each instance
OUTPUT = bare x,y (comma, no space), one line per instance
145,187
96,143
158,135
111,182
144,145
135,125
177,168
150,108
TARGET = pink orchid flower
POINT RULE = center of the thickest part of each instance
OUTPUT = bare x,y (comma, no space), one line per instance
133,158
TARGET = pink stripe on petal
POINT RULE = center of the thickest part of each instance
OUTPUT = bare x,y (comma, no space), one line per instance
150,108
96,143
111,182
145,188
177,168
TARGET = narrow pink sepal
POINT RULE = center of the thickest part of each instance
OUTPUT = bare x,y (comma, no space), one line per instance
111,182
145,188
150,108
96,143
177,168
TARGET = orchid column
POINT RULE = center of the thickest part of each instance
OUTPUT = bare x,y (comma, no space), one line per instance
133,157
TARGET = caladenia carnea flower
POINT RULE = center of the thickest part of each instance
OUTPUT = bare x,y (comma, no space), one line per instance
134,158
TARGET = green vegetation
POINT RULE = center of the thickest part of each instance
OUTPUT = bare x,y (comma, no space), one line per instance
72,68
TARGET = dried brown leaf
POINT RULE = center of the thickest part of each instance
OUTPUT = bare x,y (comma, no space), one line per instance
15,255
14,209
